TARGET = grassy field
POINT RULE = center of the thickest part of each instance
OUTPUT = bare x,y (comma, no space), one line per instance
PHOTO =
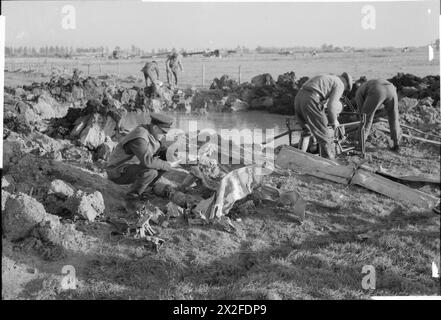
373,64
271,255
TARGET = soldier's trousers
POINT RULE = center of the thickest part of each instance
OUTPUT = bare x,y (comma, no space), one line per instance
172,77
152,76
139,176
311,115
383,95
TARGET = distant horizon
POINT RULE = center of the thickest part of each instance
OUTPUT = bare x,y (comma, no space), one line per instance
200,26
226,48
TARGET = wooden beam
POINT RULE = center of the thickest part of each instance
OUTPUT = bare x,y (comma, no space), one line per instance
426,179
306,163
411,128
438,143
394,190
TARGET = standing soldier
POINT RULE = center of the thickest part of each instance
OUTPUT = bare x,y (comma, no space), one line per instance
172,64
309,106
374,94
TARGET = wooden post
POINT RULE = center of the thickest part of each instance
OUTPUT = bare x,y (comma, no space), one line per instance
203,75
99,67
239,74
88,68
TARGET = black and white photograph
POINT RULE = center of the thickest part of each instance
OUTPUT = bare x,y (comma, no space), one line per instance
194,151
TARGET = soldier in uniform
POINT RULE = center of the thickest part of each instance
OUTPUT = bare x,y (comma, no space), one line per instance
151,72
309,106
172,64
136,159
370,97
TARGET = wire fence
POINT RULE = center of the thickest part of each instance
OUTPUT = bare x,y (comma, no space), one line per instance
199,75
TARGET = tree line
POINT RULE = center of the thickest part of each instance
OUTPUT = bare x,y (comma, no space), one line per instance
101,51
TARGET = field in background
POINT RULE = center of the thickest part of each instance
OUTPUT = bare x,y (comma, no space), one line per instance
271,255
201,70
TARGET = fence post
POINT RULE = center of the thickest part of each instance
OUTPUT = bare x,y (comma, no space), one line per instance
239,74
203,75
88,68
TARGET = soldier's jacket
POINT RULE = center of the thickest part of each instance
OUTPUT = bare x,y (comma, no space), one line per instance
325,85
328,87
174,62
150,66
138,147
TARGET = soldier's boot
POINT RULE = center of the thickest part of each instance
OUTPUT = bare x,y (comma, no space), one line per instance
325,150
144,179
304,142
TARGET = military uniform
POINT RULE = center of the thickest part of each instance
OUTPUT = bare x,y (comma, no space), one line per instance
136,159
371,96
310,110
151,72
172,64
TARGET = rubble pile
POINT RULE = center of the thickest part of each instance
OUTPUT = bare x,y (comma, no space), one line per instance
85,110
419,112
411,86
261,93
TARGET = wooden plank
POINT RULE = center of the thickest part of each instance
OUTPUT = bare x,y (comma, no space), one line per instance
302,162
393,189
428,179
411,128
438,143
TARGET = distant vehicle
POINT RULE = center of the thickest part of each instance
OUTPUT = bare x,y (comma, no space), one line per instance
161,54
115,54
206,53
286,53
210,53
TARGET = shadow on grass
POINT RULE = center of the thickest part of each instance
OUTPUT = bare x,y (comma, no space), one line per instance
327,265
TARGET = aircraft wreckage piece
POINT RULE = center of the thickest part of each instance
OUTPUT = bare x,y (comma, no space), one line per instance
394,190
235,186
406,179
305,163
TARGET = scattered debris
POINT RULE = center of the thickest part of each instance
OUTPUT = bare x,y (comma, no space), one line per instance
305,163
173,210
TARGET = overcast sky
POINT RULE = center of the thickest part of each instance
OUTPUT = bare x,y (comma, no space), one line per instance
219,25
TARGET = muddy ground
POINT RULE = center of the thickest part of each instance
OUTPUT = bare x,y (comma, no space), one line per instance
270,255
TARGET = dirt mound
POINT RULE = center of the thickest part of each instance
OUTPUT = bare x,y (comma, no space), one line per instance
411,86
262,93
287,80
224,83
